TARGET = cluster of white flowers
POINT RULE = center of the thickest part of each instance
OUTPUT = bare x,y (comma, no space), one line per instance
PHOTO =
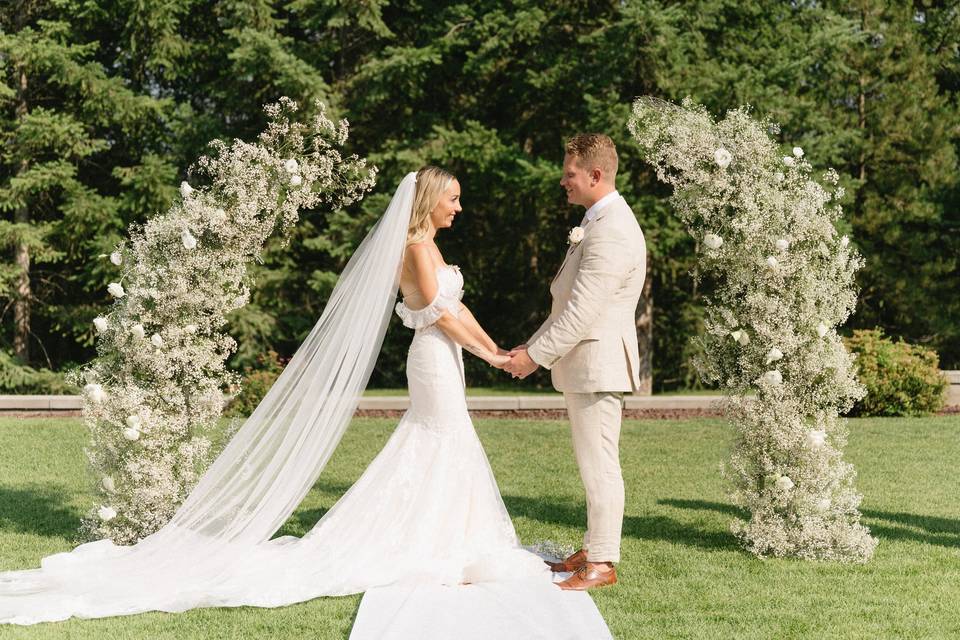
782,281
155,391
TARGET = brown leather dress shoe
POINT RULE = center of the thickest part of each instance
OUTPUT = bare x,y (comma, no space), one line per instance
587,577
574,562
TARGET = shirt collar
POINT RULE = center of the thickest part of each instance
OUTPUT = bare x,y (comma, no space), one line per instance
600,204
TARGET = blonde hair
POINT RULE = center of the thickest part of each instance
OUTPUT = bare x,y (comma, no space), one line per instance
432,182
594,150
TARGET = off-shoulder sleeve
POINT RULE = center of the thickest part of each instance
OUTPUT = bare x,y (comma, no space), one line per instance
420,318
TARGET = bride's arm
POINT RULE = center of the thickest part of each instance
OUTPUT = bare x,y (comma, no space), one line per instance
470,322
425,276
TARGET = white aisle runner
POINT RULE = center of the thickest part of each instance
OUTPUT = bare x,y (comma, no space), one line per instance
530,609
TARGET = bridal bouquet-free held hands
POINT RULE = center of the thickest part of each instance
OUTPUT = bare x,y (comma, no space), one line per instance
155,389
783,281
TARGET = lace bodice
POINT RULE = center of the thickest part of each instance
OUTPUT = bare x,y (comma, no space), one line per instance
449,293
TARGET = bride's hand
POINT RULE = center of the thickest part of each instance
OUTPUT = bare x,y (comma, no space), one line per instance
499,359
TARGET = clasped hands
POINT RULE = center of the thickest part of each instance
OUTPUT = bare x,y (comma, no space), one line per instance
517,362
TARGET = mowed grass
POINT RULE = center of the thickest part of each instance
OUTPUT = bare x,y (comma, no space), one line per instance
682,576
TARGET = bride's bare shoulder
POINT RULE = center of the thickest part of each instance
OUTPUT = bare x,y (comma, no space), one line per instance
419,255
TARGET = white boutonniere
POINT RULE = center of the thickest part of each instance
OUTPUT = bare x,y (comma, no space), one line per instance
576,235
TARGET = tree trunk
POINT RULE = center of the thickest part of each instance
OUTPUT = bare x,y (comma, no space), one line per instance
21,304
645,333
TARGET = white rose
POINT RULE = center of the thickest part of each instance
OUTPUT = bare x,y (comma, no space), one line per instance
815,439
100,323
133,421
156,340
741,337
218,216
291,166
185,189
131,434
296,180
773,355
108,484
772,377
722,157
784,483
783,244
844,241
94,392
778,176
576,235
116,289
798,152
190,328
106,513
712,240
116,258
138,331
822,330
772,262
189,242
789,161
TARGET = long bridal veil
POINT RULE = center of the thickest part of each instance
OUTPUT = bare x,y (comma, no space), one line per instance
259,478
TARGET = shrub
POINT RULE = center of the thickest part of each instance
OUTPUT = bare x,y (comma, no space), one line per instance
902,379
257,381
18,378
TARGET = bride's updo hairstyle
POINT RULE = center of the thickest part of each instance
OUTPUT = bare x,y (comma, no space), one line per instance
432,182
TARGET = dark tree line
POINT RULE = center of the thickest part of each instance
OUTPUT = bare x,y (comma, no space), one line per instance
105,103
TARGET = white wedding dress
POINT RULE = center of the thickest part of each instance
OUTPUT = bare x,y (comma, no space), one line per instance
424,531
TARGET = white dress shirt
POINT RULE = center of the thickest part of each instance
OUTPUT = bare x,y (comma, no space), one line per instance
597,206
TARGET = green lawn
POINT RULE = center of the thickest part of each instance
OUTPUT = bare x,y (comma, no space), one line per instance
520,391
682,575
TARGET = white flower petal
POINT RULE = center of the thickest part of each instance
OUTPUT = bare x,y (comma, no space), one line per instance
106,513
296,180
712,241
798,152
100,323
784,483
116,258
185,189
722,157
116,290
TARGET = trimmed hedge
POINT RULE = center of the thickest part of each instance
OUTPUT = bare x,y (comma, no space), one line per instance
902,379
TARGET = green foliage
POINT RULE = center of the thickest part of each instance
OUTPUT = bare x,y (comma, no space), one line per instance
255,384
17,378
901,379
123,96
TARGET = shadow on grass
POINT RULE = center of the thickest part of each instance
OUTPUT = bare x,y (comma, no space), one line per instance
42,510
651,527
944,532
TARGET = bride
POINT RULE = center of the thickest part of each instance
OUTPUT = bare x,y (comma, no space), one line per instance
423,529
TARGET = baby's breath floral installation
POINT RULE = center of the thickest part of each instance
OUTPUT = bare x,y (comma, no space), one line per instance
781,282
156,387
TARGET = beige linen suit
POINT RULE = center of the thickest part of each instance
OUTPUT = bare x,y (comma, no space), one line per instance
589,343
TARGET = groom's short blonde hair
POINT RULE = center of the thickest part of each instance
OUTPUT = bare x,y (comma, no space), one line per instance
594,150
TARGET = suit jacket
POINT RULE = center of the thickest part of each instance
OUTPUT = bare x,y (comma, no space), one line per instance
589,342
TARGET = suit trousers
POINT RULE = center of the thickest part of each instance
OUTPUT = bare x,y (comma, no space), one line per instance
595,420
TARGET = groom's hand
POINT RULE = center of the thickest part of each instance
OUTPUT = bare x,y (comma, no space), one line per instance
520,364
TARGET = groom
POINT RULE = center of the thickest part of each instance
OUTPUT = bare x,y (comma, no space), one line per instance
589,343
